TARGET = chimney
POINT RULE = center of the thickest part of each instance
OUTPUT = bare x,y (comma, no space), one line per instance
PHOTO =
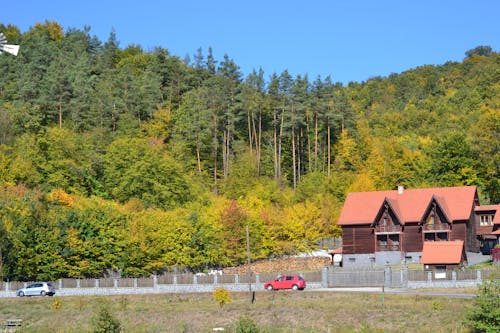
401,189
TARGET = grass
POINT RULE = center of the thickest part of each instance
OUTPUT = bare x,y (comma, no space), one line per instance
282,311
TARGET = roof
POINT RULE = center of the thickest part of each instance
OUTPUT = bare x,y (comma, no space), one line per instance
410,205
490,208
336,251
449,252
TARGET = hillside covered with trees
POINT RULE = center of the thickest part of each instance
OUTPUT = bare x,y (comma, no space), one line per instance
127,161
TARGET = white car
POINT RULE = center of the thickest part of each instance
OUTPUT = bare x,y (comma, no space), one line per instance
37,289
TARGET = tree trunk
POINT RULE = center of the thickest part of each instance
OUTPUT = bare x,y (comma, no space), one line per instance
329,151
316,142
249,124
275,135
279,144
294,160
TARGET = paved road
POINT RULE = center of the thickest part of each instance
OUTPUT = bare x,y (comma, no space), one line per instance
417,292
450,293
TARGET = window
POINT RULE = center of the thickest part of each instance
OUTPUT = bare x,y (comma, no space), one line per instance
430,220
382,240
394,239
430,237
485,220
442,236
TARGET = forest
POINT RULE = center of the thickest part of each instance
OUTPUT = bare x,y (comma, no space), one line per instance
129,162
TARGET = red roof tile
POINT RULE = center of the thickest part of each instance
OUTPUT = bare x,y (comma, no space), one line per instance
410,206
336,251
442,252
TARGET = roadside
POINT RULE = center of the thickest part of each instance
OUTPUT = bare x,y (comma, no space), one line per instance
449,293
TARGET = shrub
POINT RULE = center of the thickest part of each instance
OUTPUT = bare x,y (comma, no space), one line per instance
485,315
246,325
222,296
56,304
105,322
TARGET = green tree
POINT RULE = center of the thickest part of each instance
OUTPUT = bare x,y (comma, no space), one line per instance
105,322
137,168
453,162
484,316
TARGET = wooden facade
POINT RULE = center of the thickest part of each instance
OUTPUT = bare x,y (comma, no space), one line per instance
400,221
358,239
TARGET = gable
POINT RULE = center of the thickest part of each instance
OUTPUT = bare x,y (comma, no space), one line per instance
387,211
435,211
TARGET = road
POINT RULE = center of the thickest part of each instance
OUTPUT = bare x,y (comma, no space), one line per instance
451,293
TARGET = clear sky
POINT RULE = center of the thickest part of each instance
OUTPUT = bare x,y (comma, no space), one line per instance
350,40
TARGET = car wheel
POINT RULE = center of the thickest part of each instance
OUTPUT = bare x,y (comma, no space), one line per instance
21,294
295,287
269,287
42,293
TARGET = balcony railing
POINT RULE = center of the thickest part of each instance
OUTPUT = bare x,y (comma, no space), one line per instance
388,228
392,247
436,227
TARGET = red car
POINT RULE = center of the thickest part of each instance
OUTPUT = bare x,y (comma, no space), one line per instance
294,282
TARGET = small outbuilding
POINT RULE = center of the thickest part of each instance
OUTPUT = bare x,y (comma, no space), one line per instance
336,256
444,255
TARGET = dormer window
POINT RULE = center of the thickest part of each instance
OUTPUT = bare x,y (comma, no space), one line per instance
485,220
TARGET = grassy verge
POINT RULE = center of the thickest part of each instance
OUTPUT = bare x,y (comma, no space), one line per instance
281,311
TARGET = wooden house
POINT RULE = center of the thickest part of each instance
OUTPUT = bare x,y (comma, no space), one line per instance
391,227
488,227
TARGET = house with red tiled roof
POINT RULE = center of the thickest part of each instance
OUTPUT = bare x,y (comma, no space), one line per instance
488,226
391,227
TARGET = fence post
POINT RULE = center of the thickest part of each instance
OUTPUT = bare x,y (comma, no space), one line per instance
195,279
257,279
135,283
155,281
479,278
215,279
404,277
324,277
429,277
236,279
454,278
174,281
388,276
60,283
96,283
7,286
115,283
78,283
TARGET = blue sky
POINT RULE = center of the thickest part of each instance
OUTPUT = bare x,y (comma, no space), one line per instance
348,40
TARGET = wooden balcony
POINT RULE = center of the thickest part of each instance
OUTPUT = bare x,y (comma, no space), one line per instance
436,227
388,229
392,247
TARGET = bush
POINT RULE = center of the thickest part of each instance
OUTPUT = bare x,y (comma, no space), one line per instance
56,304
485,315
222,296
105,322
246,325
